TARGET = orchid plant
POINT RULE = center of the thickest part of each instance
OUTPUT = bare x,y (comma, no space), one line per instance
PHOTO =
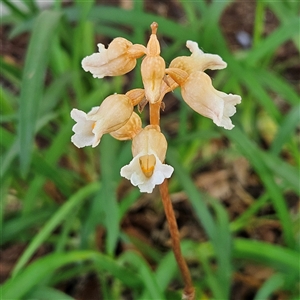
116,114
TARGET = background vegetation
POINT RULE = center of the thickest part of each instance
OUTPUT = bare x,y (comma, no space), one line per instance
68,217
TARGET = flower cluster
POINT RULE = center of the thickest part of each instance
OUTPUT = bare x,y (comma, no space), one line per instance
116,114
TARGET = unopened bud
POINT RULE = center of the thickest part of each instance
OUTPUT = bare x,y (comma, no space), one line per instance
129,130
136,96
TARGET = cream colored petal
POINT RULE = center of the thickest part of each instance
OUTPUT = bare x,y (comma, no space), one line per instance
208,61
150,139
198,61
134,173
83,135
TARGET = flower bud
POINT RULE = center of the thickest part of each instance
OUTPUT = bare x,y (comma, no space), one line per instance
136,96
129,130
153,68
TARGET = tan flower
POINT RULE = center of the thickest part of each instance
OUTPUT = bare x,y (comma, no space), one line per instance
118,59
198,92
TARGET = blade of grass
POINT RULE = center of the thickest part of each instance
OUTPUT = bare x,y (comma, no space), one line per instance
288,125
43,267
250,150
107,198
223,253
275,282
276,83
47,293
150,283
194,196
114,15
14,227
280,35
15,9
277,257
58,217
33,82
245,218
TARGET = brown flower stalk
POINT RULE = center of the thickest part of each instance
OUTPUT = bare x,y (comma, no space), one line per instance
189,291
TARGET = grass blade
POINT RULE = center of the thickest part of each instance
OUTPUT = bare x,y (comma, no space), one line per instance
57,218
43,267
33,82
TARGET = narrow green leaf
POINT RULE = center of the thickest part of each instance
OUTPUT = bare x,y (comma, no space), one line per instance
14,227
251,151
288,125
280,258
56,219
109,205
271,285
15,9
28,279
47,293
33,82
149,280
194,195
275,39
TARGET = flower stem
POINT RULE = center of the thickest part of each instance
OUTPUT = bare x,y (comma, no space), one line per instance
154,113
189,291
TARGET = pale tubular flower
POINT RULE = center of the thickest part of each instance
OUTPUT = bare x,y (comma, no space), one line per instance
83,135
198,92
118,59
129,130
198,61
146,168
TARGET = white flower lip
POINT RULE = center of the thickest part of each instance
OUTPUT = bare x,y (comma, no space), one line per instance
83,135
134,173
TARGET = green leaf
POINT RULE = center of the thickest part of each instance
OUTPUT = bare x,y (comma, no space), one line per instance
150,282
40,269
56,219
257,160
47,293
277,257
288,125
33,82
275,39
272,284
